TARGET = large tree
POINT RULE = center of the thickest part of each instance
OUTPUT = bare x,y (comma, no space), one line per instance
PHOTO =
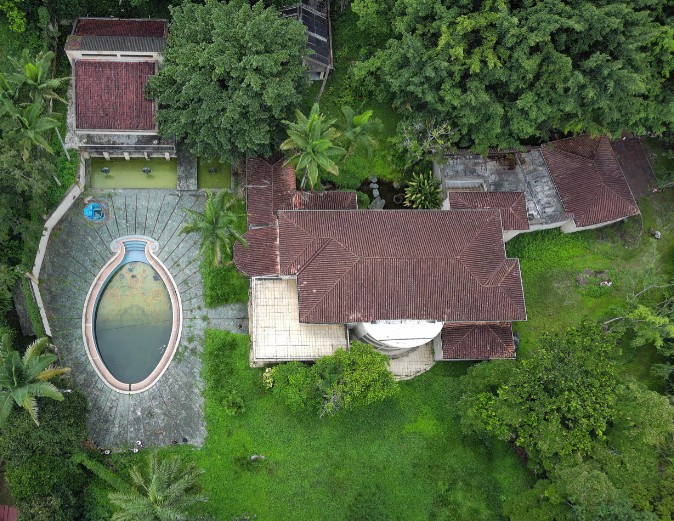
555,404
502,72
231,74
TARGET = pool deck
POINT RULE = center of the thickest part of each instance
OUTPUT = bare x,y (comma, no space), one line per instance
172,409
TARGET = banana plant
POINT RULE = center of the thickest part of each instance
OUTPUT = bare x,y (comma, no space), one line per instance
33,77
31,125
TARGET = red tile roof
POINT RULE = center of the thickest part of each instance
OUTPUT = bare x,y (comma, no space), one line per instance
466,341
8,513
272,187
120,27
358,266
589,180
260,257
513,206
109,95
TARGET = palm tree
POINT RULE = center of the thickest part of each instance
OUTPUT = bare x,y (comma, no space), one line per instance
34,76
217,225
314,143
23,379
167,492
359,130
31,124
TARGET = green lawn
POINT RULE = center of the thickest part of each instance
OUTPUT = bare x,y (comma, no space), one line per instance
129,174
553,262
402,459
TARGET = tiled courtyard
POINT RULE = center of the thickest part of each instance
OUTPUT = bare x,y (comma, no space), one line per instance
276,332
172,410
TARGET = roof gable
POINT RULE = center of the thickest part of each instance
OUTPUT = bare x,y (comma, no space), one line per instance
513,206
589,180
477,341
110,95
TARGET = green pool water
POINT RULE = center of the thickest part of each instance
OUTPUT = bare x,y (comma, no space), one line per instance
129,174
133,322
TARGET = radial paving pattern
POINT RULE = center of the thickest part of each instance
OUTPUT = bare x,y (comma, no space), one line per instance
173,408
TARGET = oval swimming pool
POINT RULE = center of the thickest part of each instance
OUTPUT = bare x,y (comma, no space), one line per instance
132,319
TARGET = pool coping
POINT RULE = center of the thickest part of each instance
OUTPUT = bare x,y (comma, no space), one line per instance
100,281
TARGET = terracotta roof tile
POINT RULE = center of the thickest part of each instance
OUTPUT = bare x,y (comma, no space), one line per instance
358,266
260,257
120,27
589,180
109,95
271,187
477,341
513,206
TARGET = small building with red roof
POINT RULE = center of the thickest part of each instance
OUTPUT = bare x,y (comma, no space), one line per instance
109,113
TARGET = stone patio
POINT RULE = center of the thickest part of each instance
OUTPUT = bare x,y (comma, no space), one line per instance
173,408
276,334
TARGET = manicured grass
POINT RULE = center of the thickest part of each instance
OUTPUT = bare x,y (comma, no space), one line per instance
404,458
129,174
219,179
224,284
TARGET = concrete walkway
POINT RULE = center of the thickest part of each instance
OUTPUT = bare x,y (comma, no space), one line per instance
173,408
413,364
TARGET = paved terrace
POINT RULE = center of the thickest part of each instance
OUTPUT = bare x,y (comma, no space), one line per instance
173,408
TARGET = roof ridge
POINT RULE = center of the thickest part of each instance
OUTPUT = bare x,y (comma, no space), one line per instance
599,171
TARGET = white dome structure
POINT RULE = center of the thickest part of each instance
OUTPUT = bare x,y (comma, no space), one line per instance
394,336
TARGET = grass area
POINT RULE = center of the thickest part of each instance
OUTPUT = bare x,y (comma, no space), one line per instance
402,459
553,263
129,174
224,284
221,178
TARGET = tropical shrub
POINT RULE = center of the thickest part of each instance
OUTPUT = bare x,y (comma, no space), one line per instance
314,144
423,192
345,380
166,489
217,225
25,378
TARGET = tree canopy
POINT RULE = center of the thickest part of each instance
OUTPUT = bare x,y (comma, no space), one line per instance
503,72
231,74
554,404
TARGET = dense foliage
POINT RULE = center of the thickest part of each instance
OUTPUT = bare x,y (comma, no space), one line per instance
231,73
594,440
45,482
505,72
345,380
